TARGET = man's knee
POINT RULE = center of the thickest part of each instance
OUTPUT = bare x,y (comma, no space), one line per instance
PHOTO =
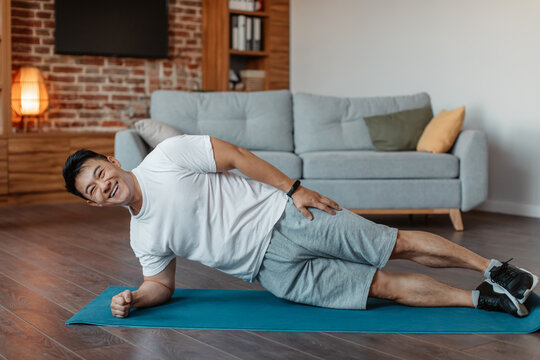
403,244
381,286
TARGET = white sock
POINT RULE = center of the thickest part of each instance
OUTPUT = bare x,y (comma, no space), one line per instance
494,262
475,296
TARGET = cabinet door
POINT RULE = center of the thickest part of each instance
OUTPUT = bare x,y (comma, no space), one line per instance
35,165
103,145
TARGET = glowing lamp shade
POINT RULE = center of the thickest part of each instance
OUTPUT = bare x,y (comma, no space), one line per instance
28,93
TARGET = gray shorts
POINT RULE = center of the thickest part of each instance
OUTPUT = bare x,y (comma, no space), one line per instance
329,261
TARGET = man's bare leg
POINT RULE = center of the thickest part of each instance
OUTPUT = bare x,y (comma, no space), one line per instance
417,290
435,251
421,290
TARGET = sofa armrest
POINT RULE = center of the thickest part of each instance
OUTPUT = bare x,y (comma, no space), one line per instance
471,149
130,149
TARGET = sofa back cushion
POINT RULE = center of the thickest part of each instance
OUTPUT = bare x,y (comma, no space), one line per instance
254,120
324,123
398,131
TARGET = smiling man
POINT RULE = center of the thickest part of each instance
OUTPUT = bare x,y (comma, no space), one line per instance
298,244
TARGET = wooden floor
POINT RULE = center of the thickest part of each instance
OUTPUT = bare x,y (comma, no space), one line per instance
55,259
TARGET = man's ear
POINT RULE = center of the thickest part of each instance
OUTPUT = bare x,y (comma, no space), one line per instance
114,161
92,203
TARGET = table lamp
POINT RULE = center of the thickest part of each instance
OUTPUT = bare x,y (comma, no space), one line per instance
29,97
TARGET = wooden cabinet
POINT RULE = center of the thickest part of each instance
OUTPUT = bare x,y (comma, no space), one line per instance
32,164
218,57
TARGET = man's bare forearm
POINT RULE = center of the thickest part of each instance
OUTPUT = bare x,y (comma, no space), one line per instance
260,170
150,293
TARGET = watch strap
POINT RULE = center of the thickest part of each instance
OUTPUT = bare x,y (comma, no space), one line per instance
295,186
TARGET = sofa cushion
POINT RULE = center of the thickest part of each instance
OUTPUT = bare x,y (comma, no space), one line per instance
379,165
442,131
153,132
390,193
337,123
398,131
289,163
254,120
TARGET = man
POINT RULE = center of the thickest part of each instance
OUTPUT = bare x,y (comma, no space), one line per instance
298,244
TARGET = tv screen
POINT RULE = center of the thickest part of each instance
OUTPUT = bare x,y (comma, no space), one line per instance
130,28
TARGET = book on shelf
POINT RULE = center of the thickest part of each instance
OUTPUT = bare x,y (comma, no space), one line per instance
241,32
252,73
249,37
234,32
257,34
246,33
253,80
246,5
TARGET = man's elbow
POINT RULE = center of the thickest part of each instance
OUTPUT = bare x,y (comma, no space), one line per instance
170,294
165,296
160,288
168,291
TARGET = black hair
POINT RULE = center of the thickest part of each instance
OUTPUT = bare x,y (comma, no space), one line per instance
73,167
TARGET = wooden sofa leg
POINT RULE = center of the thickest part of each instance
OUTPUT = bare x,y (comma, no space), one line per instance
455,217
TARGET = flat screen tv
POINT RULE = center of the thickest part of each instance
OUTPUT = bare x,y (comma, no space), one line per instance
124,28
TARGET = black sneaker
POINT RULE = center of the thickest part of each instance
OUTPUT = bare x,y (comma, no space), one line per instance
519,282
495,298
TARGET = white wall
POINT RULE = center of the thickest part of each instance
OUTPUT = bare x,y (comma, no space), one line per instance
484,54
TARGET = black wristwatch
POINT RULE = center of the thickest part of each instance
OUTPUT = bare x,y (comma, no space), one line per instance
294,186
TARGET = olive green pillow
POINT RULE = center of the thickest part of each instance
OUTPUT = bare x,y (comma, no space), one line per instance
398,131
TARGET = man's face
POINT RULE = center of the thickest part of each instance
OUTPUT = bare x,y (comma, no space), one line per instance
104,183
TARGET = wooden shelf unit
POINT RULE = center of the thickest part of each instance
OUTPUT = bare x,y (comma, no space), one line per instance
248,53
250,13
218,57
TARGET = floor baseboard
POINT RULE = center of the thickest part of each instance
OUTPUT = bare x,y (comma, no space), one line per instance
508,207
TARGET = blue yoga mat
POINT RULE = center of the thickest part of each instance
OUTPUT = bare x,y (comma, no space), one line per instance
260,310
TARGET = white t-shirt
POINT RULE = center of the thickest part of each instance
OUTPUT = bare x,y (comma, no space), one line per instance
218,219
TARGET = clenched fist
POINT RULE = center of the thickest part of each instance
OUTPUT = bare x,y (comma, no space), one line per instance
121,303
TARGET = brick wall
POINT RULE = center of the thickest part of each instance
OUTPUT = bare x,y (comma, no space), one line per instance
97,93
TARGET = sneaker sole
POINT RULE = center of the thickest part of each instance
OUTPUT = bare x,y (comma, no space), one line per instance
529,291
521,309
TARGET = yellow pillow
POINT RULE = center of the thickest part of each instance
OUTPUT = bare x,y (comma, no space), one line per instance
442,131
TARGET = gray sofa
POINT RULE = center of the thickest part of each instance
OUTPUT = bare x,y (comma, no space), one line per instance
324,141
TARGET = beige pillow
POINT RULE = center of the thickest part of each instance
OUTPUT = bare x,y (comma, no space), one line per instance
442,131
154,132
